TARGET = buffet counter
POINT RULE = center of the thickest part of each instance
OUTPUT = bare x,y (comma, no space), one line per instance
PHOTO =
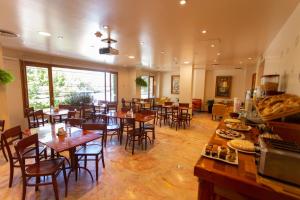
232,181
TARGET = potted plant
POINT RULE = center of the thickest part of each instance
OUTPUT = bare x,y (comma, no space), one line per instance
140,82
5,77
210,104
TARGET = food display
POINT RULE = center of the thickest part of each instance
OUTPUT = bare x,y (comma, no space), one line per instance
274,107
234,121
229,134
243,146
239,127
221,153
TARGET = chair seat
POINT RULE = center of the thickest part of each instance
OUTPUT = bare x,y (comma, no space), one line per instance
149,126
91,149
112,127
45,167
138,132
30,152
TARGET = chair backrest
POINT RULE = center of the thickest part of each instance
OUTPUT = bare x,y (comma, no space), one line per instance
22,145
64,106
75,122
87,111
175,111
125,109
112,107
71,114
168,103
96,127
29,113
130,122
185,105
150,113
9,136
2,123
39,114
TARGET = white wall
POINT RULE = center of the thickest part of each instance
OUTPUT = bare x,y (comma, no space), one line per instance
165,85
186,84
283,54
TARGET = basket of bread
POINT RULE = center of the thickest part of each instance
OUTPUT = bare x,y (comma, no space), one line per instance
278,106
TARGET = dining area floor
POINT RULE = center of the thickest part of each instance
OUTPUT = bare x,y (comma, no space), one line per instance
163,171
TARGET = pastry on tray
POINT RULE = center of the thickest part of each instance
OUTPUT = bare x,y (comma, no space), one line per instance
229,134
243,145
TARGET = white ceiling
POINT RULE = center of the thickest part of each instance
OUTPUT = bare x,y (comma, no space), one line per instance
171,33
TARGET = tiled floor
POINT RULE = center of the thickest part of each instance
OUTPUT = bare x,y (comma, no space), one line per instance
164,171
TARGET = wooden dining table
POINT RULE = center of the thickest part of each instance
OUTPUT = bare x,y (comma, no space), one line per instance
73,138
52,114
139,117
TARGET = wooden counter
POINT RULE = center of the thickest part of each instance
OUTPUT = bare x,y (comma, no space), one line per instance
239,179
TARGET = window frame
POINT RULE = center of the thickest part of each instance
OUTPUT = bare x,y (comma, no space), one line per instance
24,64
148,93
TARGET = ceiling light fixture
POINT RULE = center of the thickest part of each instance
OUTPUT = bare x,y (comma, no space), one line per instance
249,58
142,43
218,53
186,62
131,57
60,37
241,62
204,31
215,60
44,33
212,45
162,52
182,2
105,26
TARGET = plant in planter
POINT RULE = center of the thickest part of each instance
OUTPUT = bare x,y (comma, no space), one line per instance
75,99
5,77
140,82
210,104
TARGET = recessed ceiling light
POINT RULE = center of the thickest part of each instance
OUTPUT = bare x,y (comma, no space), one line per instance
241,62
142,43
105,26
182,2
204,31
44,33
249,58
92,46
212,45
218,53
215,60
186,62
162,52
60,37
131,57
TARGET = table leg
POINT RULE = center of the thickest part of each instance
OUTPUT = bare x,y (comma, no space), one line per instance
121,130
205,190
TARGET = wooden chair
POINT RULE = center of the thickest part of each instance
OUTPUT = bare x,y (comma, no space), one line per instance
112,107
133,134
9,137
92,150
161,115
87,112
39,118
40,168
29,113
175,117
112,129
75,122
185,116
2,123
149,126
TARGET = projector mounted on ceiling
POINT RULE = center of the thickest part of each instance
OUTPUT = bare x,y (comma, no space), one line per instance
107,50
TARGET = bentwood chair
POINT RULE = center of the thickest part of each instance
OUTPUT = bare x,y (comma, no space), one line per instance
11,136
87,112
133,134
113,129
39,117
150,126
185,116
29,113
92,152
175,117
2,123
40,168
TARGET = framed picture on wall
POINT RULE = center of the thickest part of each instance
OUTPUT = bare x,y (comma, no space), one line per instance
223,86
175,84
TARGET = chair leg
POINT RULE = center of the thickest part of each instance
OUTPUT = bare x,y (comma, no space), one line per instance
54,182
126,141
102,157
38,180
85,161
65,179
11,174
3,150
24,189
133,145
97,168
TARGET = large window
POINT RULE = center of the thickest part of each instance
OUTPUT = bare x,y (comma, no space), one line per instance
46,85
148,92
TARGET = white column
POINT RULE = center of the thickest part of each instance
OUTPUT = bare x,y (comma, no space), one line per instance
186,84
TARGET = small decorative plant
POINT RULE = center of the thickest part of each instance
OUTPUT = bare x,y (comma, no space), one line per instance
5,77
140,82
75,99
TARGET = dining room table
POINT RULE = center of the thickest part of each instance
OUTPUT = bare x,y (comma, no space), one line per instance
52,113
73,138
139,117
